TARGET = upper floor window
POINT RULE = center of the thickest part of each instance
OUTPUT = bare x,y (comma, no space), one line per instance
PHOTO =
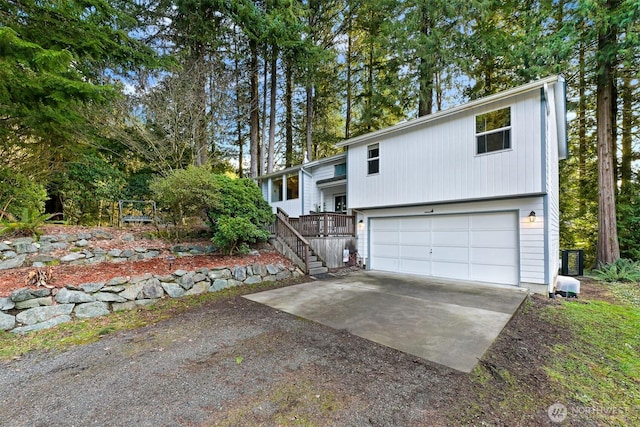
340,169
373,159
493,131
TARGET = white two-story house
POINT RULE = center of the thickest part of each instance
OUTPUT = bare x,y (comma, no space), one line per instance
470,193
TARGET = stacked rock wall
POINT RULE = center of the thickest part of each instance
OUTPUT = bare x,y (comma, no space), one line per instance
80,249
34,309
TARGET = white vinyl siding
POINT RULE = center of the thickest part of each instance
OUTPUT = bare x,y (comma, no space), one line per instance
438,162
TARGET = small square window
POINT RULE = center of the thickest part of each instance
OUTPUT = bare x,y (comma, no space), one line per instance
340,169
373,159
493,131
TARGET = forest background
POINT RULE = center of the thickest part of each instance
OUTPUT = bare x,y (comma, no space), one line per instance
99,97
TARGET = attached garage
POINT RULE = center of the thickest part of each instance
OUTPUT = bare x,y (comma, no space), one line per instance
475,246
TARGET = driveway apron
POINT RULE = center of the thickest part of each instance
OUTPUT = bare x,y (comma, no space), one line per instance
450,323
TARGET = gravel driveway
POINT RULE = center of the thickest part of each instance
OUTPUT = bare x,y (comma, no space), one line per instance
232,362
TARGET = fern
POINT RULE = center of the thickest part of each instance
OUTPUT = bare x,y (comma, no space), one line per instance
623,270
28,224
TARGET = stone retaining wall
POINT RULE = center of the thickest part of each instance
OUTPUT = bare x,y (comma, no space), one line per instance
34,309
82,249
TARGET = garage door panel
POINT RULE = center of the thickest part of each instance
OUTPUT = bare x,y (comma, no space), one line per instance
417,252
493,239
387,237
415,224
450,270
454,254
488,273
497,256
492,221
387,251
416,238
480,247
450,222
450,238
416,266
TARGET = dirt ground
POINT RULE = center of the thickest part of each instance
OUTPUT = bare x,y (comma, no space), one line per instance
236,362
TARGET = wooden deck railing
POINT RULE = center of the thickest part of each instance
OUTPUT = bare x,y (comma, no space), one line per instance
326,224
290,236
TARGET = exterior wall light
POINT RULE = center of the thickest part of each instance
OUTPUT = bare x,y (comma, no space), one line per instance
532,216
360,225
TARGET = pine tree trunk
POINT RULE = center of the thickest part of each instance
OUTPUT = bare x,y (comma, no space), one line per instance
309,121
272,110
425,68
254,120
288,125
263,137
608,248
582,129
347,121
627,131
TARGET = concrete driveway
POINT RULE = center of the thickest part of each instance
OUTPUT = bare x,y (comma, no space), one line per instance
450,323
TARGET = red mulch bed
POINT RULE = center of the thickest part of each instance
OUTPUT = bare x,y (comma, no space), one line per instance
63,275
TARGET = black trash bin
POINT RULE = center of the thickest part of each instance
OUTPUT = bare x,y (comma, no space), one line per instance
572,262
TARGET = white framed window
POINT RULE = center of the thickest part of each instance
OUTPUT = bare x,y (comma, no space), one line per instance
493,131
276,190
373,159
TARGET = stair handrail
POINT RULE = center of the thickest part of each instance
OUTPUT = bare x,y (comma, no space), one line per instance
301,246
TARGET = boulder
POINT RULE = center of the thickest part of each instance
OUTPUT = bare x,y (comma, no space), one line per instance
82,243
128,237
198,288
118,281
102,235
6,304
252,280
222,273
173,290
132,292
16,262
74,256
42,325
108,297
152,289
7,321
239,273
91,309
21,294
36,302
43,314
65,296
92,287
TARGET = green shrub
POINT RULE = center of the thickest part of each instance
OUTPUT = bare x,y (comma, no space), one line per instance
623,270
28,223
186,192
19,193
234,208
233,234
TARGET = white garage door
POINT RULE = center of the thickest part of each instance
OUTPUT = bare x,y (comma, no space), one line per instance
477,247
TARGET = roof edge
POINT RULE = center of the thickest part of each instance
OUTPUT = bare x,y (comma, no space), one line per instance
444,113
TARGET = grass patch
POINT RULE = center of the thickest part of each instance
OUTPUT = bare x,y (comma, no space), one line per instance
600,367
78,332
